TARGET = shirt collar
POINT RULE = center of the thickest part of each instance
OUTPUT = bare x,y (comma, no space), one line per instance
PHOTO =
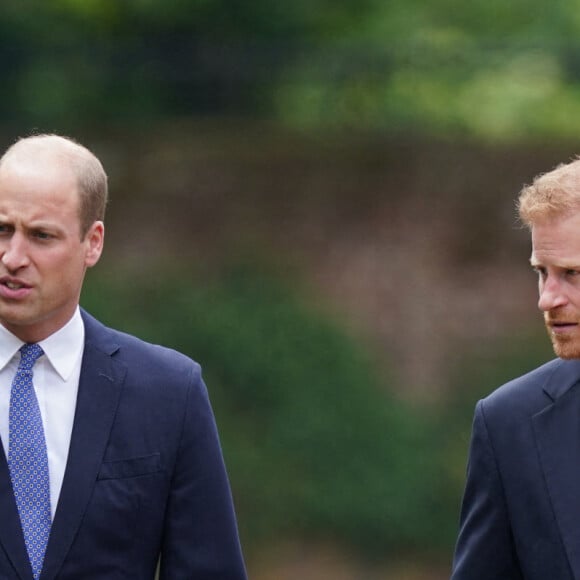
62,349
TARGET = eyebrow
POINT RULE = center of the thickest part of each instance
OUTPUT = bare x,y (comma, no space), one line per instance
41,226
561,266
34,226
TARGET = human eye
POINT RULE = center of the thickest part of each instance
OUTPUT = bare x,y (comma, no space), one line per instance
5,229
41,235
540,271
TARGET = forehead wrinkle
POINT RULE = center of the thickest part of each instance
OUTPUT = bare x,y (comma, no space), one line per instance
49,166
554,261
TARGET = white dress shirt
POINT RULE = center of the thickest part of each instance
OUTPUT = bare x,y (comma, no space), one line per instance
56,382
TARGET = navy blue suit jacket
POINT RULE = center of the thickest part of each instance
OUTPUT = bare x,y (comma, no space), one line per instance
144,478
520,517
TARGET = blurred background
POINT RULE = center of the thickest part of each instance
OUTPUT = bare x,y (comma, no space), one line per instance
315,199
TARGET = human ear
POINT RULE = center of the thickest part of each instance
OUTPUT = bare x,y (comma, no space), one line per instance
94,240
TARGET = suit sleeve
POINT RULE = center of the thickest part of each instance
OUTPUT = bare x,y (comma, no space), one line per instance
485,547
200,536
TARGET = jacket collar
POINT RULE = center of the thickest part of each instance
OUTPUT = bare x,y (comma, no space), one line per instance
557,434
100,386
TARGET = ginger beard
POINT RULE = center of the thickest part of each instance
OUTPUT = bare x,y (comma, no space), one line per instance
566,341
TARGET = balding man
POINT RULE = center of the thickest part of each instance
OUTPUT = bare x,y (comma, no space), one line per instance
110,462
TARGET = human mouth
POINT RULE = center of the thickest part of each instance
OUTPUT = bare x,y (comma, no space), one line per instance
561,327
13,289
13,285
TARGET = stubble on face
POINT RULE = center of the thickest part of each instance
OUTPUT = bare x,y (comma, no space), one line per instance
565,345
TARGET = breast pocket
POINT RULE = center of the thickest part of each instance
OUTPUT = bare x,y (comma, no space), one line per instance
127,468
120,508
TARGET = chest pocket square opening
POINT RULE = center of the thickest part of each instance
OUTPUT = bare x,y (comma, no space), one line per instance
126,468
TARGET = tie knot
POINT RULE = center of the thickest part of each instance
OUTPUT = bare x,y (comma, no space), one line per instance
29,354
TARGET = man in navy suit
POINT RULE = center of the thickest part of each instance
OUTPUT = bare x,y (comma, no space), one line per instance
520,517
136,476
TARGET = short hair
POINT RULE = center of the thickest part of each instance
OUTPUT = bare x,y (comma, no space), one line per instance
551,194
90,176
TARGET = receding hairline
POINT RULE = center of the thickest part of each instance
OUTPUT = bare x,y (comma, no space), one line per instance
47,147
50,152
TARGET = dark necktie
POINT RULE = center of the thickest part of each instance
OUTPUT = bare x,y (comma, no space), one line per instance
28,460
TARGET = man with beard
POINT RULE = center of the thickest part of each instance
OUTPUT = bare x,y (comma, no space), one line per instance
520,517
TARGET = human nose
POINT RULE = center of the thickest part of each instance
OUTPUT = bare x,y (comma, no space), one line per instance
552,294
14,253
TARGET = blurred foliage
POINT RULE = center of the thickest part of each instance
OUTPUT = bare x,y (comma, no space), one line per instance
475,376
488,69
316,447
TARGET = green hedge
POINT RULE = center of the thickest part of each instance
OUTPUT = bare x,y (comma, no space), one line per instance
476,374
316,446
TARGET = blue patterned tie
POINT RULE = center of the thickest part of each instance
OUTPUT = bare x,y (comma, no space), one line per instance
28,460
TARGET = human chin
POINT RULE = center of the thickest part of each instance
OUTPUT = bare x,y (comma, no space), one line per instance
566,347
19,313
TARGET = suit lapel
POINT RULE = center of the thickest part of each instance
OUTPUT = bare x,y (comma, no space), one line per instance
557,430
100,386
11,537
